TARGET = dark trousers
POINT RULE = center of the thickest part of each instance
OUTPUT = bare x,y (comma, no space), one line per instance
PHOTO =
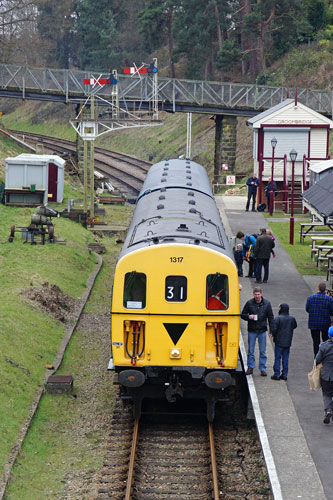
327,388
281,352
240,268
253,196
268,196
259,264
252,266
315,334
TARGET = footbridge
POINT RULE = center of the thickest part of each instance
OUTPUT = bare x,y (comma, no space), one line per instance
224,100
174,95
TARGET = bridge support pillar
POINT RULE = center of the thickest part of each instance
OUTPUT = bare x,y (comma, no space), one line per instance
225,144
218,148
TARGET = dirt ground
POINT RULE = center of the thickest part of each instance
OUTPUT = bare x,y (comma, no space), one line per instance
52,300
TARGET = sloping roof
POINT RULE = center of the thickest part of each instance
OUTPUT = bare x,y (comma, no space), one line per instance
321,166
320,196
269,111
285,108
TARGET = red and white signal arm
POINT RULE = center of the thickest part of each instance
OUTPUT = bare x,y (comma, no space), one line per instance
99,81
132,70
230,180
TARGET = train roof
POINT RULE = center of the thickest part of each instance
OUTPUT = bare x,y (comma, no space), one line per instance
176,205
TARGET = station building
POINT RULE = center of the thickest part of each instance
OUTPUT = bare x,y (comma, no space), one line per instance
293,126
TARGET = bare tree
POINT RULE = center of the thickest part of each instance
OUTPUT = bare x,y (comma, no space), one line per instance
17,29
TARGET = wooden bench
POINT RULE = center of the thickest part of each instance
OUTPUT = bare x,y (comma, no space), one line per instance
325,241
323,252
314,228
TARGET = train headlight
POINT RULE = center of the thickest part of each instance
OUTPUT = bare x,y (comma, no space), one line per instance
175,353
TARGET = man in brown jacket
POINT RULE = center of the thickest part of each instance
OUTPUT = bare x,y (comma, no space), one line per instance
262,253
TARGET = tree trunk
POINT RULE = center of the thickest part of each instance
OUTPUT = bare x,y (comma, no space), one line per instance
170,43
218,26
245,41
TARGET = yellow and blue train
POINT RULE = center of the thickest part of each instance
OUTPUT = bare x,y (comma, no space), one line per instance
175,304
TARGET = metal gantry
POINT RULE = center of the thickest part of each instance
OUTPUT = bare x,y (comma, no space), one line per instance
99,115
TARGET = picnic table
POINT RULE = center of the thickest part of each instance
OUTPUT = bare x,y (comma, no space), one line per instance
322,249
314,228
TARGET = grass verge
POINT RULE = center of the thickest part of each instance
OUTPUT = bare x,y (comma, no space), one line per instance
299,253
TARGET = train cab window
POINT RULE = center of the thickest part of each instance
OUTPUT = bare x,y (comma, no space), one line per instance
217,291
135,285
175,288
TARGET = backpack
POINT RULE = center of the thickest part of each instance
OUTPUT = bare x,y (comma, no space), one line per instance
261,207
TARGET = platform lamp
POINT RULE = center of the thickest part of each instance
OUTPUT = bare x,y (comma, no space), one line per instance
293,156
271,200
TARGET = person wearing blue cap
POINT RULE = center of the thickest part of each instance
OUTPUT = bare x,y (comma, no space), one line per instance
325,356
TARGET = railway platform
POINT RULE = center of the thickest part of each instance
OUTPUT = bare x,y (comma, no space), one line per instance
297,445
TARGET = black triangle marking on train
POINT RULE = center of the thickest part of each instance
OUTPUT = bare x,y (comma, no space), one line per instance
175,330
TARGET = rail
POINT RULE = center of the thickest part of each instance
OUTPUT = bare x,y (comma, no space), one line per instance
213,462
130,476
132,463
174,94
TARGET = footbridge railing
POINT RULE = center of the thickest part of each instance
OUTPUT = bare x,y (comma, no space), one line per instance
67,85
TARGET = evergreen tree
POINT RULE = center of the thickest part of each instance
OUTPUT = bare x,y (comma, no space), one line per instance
55,24
96,30
156,24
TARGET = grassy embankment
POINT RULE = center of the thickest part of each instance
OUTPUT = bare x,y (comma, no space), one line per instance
65,445
30,338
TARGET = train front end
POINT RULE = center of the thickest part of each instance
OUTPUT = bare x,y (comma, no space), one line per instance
175,307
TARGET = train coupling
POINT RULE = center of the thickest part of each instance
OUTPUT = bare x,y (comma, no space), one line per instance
174,389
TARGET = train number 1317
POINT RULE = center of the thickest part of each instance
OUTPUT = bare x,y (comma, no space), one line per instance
176,259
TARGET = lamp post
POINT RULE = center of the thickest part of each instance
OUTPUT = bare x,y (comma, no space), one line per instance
274,143
293,156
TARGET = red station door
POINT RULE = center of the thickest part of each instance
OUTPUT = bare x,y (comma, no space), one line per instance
53,182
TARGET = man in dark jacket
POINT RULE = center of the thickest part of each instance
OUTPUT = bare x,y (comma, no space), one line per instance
325,356
253,184
320,309
256,312
268,191
262,253
282,331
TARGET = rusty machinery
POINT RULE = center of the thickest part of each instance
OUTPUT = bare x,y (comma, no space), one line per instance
41,225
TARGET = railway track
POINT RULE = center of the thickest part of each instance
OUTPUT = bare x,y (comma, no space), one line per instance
160,457
125,173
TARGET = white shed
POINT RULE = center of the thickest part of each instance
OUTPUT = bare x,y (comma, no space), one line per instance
34,179
319,170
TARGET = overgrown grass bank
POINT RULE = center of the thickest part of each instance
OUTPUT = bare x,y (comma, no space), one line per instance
65,446
30,338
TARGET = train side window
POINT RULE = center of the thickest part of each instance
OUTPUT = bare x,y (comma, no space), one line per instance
175,288
217,291
135,286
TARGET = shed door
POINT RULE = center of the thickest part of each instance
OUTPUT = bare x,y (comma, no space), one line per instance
53,182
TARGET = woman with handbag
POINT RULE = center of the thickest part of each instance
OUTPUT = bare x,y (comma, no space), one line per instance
325,356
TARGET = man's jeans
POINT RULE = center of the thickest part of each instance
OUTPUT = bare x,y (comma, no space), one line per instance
284,353
251,362
262,263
